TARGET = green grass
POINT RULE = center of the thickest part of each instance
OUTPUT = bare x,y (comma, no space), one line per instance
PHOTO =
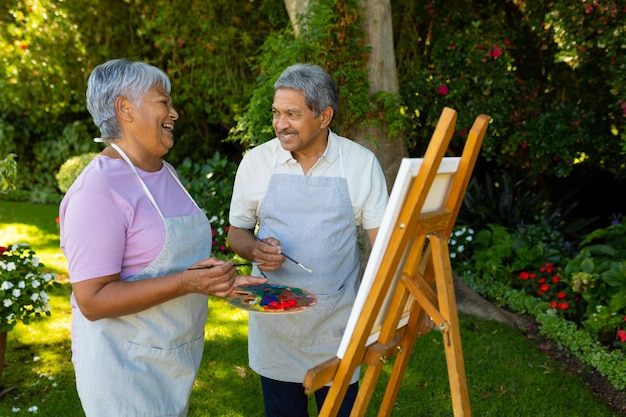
507,374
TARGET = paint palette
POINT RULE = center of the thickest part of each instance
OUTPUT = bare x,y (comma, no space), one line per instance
271,299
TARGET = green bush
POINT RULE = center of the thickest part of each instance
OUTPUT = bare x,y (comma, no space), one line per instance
8,173
211,185
492,272
71,169
549,73
598,273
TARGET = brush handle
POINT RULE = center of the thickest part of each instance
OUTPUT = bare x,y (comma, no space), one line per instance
211,266
309,270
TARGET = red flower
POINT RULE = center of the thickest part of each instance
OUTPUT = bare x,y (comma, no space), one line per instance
495,52
3,249
555,279
563,306
442,90
561,295
622,335
544,287
525,275
552,304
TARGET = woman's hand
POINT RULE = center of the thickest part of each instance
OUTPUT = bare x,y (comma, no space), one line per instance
216,278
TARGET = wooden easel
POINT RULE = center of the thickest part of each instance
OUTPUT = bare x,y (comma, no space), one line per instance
413,278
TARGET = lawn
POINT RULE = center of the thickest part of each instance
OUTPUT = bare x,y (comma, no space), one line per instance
507,374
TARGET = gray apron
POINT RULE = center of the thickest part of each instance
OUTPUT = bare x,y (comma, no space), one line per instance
145,364
314,221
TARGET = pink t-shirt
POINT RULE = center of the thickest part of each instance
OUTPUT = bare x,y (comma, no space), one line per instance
108,223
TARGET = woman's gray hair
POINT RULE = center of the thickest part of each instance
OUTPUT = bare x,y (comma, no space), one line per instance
318,87
119,78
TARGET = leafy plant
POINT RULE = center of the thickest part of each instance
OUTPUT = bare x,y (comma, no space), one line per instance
598,273
71,169
24,286
547,283
211,186
8,173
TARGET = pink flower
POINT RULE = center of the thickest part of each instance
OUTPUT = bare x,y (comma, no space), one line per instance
495,53
442,90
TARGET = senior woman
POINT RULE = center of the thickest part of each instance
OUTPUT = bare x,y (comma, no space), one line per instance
138,250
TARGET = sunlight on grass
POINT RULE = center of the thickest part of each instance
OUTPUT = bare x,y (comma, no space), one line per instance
36,225
45,245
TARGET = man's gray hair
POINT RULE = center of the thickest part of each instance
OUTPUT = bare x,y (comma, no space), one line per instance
318,87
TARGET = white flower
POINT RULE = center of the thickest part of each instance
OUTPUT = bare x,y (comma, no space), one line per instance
16,409
34,409
23,283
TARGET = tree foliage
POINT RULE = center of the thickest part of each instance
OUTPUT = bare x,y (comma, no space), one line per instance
330,36
48,48
551,75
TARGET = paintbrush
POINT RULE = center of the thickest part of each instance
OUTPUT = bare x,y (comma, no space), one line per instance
309,270
211,266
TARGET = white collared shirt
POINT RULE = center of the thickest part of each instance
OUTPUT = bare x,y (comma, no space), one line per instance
342,158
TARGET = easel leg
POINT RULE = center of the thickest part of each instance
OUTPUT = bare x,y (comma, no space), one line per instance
402,361
452,335
367,388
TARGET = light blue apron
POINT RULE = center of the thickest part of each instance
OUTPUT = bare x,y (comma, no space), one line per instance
145,364
314,220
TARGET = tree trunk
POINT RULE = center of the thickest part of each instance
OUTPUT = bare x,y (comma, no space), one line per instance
383,76
295,8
